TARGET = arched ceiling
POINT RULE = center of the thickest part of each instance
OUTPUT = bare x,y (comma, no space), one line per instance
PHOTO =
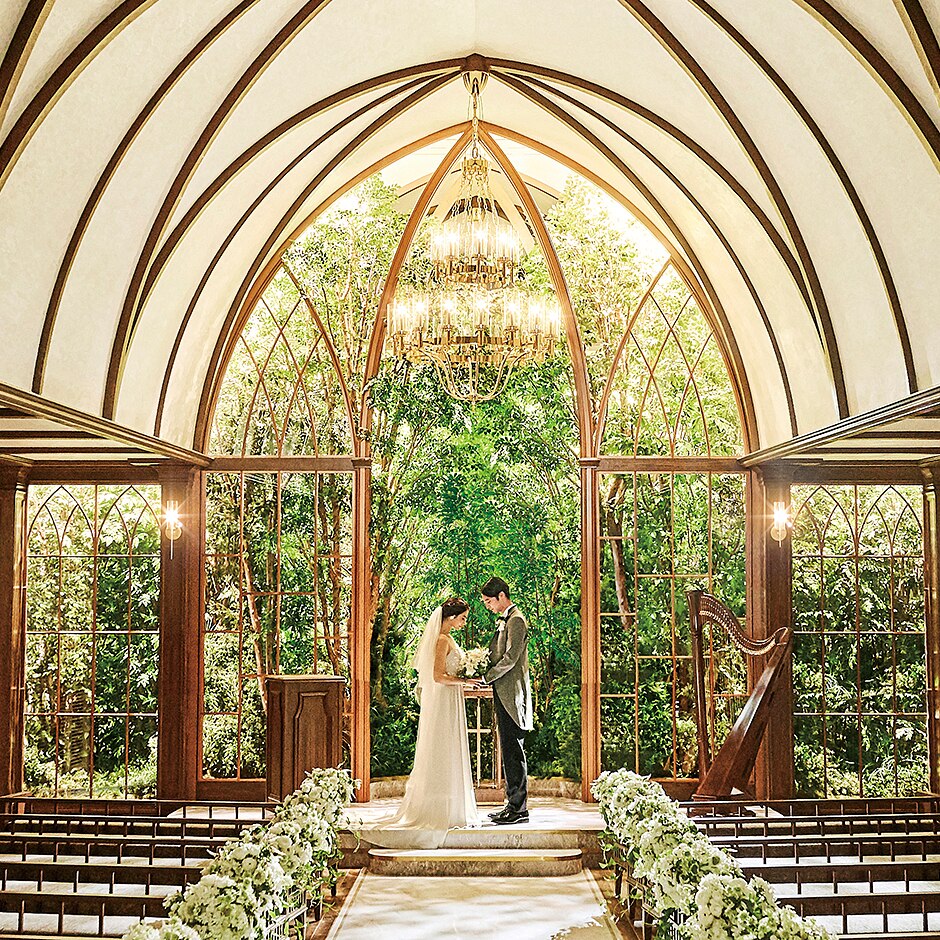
155,155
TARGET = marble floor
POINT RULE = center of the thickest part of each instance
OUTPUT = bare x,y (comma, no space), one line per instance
545,812
474,908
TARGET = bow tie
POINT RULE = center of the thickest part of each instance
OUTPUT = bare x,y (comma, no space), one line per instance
503,617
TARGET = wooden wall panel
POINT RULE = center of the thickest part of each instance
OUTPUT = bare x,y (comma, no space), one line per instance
181,586
13,499
769,607
932,589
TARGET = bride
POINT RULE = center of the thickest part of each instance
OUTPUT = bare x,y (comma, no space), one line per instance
439,793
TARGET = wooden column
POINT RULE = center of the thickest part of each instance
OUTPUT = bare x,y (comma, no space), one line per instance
13,493
181,611
932,592
360,637
590,627
769,607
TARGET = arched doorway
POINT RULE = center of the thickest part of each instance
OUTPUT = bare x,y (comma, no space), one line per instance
290,406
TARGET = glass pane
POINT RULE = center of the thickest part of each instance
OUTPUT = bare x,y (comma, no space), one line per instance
874,600
145,668
841,683
110,757
911,679
223,513
808,757
220,745
221,672
76,661
654,616
42,672
843,735
299,630
807,595
145,593
253,728
42,594
840,598
222,593
691,508
807,673
655,717
74,752
913,775
618,734
76,598
142,757
617,655
877,672
39,757
111,672
908,597
879,758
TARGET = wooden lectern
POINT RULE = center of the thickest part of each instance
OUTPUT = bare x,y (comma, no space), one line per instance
305,729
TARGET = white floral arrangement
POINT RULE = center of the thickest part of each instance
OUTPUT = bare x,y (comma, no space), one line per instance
730,908
683,873
474,663
219,907
167,930
248,883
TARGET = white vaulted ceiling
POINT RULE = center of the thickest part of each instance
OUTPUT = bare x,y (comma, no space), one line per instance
155,154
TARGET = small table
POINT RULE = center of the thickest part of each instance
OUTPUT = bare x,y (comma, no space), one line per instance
478,695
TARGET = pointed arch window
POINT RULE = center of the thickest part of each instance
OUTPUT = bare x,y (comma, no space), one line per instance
279,536
671,520
93,638
860,719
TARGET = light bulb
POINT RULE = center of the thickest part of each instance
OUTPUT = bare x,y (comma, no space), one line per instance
782,522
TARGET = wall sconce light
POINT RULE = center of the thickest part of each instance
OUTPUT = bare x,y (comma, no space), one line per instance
782,522
172,526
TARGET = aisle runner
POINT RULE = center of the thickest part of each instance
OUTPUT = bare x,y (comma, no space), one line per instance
474,908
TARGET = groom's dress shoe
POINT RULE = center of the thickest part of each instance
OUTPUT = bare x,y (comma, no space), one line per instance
499,813
512,817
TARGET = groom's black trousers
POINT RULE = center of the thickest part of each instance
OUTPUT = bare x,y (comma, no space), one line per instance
515,769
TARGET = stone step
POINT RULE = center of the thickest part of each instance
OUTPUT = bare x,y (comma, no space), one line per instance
502,837
513,837
469,862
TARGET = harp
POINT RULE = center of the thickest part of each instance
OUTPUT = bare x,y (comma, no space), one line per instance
731,766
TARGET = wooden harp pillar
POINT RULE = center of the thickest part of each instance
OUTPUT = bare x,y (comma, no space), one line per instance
730,768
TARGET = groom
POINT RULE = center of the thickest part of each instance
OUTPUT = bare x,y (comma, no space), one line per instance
512,698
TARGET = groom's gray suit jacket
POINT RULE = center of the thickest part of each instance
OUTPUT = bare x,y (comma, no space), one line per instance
509,669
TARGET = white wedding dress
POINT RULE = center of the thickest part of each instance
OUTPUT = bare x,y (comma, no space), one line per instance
439,793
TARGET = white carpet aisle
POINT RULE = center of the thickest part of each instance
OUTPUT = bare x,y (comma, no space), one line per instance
474,908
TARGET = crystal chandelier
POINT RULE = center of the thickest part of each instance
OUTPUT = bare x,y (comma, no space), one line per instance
474,320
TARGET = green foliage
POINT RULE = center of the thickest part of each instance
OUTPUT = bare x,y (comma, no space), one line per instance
469,492
277,600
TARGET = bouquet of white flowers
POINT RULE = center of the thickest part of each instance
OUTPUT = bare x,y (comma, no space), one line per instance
474,663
